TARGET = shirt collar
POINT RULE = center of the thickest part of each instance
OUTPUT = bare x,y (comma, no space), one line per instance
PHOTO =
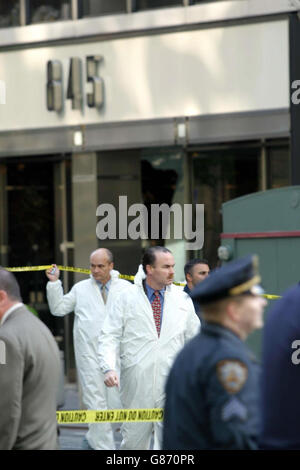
9,311
107,285
150,291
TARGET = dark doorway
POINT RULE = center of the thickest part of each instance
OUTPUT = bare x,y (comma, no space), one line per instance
219,175
30,231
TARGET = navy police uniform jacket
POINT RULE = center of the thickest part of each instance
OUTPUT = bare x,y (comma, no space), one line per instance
212,394
281,374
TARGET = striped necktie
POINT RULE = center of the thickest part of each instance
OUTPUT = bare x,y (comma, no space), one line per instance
104,293
156,307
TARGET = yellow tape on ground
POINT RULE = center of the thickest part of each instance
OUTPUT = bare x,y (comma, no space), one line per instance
143,415
88,271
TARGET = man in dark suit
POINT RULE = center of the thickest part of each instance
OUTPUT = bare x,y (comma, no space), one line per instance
29,374
195,271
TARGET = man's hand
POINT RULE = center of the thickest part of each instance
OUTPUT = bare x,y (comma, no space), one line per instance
111,379
53,273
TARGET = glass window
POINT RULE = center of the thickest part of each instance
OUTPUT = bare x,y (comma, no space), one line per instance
150,4
30,198
278,166
162,182
44,11
103,7
218,176
9,14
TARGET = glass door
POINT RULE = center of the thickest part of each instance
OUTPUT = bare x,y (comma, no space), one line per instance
218,175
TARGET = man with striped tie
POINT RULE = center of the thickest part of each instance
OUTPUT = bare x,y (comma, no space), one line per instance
148,324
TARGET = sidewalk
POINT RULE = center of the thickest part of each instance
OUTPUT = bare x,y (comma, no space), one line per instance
71,435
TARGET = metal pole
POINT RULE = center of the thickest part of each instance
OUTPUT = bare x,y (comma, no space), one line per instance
64,249
263,167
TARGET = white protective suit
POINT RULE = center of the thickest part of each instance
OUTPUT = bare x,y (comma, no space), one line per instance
85,300
145,358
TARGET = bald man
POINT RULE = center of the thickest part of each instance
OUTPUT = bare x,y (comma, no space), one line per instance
89,300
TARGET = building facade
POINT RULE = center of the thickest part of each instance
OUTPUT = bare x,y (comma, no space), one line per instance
159,101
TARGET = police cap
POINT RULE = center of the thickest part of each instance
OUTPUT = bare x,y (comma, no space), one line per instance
235,278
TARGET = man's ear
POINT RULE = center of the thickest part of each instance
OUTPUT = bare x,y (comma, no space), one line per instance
233,311
189,277
148,269
3,295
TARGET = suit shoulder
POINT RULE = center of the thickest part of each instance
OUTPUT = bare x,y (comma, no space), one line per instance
130,295
122,284
183,298
83,283
21,321
17,324
226,350
177,289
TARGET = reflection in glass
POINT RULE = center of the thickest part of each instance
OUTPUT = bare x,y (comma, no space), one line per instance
162,182
45,11
103,7
220,175
150,4
278,166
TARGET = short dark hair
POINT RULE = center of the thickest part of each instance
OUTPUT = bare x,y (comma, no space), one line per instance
10,285
190,264
149,256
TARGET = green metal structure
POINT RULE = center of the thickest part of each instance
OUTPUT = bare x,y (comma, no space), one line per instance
266,223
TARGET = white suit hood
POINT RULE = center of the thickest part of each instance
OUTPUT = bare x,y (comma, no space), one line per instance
140,276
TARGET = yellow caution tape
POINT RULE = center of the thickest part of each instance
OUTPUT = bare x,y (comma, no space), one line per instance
88,271
61,268
44,268
143,415
126,276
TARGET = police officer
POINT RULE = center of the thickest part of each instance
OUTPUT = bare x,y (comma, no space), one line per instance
212,391
281,374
